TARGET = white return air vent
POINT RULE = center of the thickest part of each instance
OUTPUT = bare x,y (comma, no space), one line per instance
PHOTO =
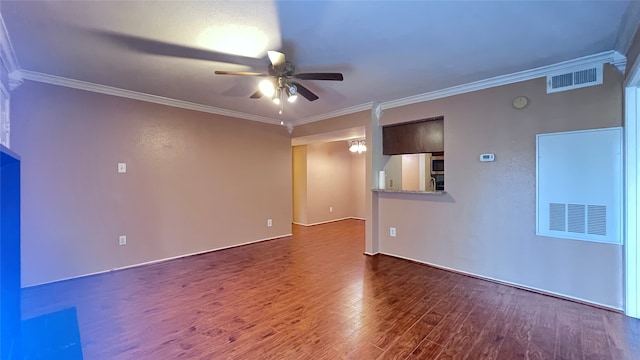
574,79
579,185
578,218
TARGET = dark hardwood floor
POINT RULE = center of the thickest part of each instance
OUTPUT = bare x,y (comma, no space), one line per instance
316,296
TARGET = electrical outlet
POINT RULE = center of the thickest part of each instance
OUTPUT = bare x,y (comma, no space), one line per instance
122,168
392,232
330,208
269,223
123,240
391,183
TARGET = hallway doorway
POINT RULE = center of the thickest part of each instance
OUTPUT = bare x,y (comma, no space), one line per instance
329,180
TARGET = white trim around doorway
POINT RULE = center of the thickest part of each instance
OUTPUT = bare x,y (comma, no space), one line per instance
632,187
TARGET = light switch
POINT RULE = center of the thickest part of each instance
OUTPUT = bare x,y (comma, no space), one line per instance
122,168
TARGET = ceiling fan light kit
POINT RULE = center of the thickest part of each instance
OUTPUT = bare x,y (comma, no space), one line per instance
292,93
276,96
283,73
358,146
266,87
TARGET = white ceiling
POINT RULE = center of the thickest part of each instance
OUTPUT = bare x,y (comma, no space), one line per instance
386,49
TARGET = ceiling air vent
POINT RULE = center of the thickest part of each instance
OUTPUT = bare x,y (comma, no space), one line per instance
577,78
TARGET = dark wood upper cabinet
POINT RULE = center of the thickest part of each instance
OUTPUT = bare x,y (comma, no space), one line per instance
421,136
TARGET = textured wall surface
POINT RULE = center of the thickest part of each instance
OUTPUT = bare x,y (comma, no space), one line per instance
485,225
194,181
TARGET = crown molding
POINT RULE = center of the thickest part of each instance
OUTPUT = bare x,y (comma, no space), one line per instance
15,79
612,57
333,114
619,61
109,90
8,56
6,49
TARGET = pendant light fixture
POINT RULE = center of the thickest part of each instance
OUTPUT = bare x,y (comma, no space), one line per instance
358,146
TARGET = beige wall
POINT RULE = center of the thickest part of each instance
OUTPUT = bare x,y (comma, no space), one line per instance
328,181
195,181
334,178
485,225
361,118
299,154
358,184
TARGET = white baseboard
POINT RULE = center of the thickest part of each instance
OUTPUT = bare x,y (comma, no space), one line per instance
372,254
512,284
157,261
330,221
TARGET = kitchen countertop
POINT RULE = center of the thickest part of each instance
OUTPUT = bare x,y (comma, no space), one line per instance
410,192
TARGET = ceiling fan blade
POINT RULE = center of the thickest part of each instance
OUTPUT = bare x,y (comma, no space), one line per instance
241,73
155,47
305,92
319,76
256,95
277,59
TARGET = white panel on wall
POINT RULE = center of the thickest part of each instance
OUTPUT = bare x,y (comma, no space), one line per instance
579,185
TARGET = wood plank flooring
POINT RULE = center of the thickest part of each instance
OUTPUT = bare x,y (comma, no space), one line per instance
316,296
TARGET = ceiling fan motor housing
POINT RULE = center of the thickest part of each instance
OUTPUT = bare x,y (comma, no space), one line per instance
285,76
287,71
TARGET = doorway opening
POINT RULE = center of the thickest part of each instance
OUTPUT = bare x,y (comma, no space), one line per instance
329,180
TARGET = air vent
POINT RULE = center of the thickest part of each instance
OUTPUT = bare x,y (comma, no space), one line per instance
557,217
574,79
575,218
578,218
571,201
597,219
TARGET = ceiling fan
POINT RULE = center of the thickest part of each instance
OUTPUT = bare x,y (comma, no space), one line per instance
282,82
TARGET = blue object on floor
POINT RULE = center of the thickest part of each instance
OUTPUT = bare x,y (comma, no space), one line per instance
52,336
9,255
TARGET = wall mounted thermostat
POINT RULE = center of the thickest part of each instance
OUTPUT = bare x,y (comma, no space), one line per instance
487,157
